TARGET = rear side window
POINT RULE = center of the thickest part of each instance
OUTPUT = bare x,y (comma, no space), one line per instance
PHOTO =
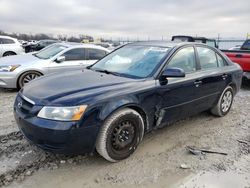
95,54
221,62
207,58
6,41
184,59
75,54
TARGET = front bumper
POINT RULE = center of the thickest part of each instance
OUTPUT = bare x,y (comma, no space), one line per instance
8,79
56,136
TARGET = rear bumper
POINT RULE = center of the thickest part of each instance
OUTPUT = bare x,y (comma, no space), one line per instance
61,137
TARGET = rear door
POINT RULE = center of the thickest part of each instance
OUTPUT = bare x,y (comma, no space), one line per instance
75,59
213,78
94,55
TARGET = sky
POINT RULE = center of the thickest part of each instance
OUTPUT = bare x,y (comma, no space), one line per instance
130,19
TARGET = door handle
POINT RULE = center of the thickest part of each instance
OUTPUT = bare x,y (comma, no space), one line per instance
197,83
238,55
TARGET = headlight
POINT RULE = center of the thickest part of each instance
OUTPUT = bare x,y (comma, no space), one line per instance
62,113
8,68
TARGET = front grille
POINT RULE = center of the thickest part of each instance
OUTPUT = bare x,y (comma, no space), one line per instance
23,105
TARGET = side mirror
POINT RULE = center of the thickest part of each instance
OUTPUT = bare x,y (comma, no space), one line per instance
60,59
173,73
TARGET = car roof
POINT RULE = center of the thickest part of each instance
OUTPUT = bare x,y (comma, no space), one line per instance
81,45
166,44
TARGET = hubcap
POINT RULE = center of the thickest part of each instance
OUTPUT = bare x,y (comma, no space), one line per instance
226,101
29,77
123,135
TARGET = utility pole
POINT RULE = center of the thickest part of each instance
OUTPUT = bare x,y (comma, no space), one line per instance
218,40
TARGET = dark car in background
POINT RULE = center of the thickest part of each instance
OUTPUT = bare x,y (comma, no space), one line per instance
184,38
31,47
110,105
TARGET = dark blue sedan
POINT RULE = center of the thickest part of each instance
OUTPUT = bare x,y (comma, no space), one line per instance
110,105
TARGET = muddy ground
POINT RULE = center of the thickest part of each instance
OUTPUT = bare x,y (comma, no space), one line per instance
160,161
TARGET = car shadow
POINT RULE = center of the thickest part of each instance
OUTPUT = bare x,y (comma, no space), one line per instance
3,90
245,84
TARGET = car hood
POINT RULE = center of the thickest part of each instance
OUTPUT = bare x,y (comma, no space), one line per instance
77,87
18,59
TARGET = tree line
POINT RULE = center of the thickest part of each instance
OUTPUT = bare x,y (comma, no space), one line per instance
42,36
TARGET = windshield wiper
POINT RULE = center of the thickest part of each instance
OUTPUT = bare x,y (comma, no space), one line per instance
107,72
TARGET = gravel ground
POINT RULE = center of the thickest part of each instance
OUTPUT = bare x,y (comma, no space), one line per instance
160,161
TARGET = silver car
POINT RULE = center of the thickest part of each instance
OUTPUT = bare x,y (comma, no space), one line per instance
16,71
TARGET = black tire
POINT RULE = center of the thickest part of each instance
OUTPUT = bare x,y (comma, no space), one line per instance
8,54
224,103
27,77
120,135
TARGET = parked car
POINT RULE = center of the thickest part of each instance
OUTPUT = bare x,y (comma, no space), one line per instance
241,57
110,105
17,71
184,38
10,46
36,46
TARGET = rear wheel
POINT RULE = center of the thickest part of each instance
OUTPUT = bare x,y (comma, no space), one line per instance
8,54
27,77
224,104
120,135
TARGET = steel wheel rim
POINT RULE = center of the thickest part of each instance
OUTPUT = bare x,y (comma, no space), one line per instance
123,136
226,101
29,77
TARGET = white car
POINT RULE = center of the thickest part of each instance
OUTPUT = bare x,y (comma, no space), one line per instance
10,46
16,71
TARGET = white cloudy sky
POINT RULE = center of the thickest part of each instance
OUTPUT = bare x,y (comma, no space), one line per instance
127,18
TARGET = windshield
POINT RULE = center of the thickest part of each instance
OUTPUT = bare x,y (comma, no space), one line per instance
135,61
50,51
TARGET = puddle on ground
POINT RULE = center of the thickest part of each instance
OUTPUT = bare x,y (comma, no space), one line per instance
217,180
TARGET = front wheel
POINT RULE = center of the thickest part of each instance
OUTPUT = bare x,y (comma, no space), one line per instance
224,104
27,77
120,135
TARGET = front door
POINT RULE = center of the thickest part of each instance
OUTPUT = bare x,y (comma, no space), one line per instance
176,98
74,60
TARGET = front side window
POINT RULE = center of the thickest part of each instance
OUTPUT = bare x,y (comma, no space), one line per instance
74,54
50,51
184,59
207,58
137,61
95,54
